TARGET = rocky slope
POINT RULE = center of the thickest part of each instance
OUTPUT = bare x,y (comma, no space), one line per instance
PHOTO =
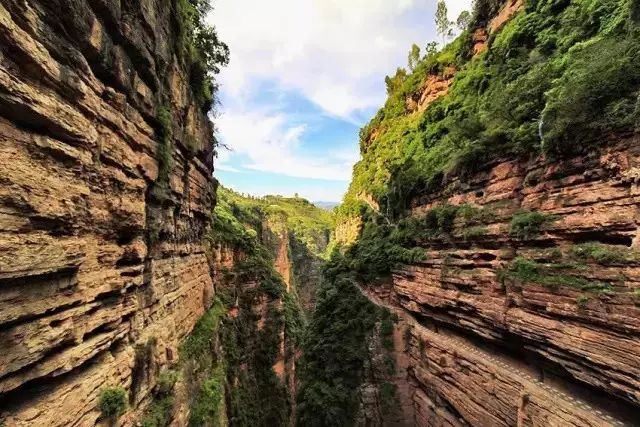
106,194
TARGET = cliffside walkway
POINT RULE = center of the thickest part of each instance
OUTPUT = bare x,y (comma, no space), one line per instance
485,357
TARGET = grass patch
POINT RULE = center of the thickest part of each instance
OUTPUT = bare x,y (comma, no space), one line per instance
525,271
582,300
528,224
602,254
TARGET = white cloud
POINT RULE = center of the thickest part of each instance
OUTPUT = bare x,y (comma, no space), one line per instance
271,144
334,52
222,161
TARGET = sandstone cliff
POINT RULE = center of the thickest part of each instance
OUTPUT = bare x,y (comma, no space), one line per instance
490,346
106,193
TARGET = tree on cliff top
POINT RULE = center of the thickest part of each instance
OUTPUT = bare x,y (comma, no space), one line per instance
414,56
463,21
443,25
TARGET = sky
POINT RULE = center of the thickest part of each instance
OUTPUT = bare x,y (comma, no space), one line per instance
304,76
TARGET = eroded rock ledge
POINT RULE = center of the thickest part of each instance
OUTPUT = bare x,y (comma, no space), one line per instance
101,275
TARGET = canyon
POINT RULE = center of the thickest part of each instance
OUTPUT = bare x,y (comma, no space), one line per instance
495,287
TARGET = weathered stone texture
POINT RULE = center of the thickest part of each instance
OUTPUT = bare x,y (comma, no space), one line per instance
94,266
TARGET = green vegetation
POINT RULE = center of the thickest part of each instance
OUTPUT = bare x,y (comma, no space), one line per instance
250,341
240,219
524,271
203,366
243,222
528,224
582,300
113,402
443,25
165,151
345,333
202,338
257,397
463,20
389,397
166,380
379,248
483,11
207,408
335,351
560,78
603,254
382,245
160,411
202,51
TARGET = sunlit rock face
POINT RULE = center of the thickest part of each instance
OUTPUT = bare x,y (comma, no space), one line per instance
489,344
102,270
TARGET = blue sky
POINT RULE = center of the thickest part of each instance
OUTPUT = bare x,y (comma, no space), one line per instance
304,76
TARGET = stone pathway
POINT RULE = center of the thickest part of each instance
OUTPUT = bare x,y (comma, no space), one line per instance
486,357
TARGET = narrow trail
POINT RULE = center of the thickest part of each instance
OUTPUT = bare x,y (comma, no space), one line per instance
484,357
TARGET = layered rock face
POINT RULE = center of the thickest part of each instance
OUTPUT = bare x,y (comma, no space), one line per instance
102,271
552,342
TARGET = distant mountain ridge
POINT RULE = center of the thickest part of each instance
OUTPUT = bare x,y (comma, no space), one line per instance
326,205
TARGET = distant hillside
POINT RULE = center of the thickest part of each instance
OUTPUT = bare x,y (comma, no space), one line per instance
310,224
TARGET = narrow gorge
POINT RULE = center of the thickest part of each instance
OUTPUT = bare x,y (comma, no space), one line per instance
482,269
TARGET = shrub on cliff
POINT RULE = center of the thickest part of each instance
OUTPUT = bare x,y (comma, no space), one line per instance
113,402
528,224
524,271
597,95
603,254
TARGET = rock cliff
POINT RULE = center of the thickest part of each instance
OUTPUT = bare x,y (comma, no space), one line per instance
490,344
494,211
106,157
